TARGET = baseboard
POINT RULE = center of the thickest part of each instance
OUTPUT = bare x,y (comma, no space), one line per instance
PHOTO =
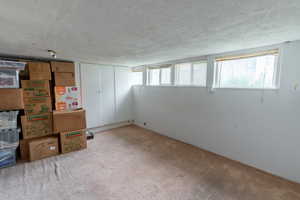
110,126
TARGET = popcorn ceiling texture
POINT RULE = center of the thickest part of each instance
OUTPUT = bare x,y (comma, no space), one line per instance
133,163
136,32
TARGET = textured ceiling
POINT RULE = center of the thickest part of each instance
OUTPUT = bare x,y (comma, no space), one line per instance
136,32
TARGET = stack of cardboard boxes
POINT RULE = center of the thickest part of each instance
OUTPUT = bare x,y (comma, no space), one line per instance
69,119
39,141
47,132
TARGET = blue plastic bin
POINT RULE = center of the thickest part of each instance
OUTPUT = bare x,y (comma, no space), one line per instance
7,157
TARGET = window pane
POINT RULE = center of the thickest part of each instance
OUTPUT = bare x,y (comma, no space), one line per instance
199,73
165,75
153,76
137,78
183,73
255,72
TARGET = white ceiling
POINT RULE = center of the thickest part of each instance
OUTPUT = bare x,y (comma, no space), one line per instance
137,32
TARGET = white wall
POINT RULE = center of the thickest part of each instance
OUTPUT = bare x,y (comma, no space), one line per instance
261,129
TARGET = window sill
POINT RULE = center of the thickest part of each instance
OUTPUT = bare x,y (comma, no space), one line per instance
172,86
251,89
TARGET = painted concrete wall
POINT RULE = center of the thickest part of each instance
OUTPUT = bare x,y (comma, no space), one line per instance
258,128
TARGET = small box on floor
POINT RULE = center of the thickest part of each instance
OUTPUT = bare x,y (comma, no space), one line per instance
64,121
39,71
37,105
24,147
72,141
67,98
42,148
11,99
35,88
36,125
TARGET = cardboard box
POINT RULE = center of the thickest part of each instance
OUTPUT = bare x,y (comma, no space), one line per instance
11,99
42,148
24,149
62,67
39,71
36,125
64,121
72,141
36,88
37,105
64,79
67,98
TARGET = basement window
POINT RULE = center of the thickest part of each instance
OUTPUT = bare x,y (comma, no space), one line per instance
254,71
165,76
136,76
193,73
153,76
160,75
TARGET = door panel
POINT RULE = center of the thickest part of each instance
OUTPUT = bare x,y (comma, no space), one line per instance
91,81
107,95
123,94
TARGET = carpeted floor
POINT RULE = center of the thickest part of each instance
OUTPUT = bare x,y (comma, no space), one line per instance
132,163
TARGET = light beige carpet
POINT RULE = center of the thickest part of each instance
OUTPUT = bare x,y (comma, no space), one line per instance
132,163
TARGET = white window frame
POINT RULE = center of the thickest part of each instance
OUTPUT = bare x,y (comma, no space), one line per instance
191,75
276,76
140,70
160,74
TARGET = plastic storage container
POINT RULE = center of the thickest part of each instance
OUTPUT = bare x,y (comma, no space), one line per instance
9,73
9,138
9,78
8,120
7,157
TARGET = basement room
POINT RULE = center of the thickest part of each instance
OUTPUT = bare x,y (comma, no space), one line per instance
149,100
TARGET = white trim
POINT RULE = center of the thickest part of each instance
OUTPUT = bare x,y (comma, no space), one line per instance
110,126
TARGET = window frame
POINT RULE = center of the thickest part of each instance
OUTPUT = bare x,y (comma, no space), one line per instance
192,84
276,75
160,75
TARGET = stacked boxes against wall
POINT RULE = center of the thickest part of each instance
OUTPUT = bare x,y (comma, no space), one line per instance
10,103
39,140
68,118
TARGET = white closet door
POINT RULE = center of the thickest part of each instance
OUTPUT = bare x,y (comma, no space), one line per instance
107,96
91,93
123,94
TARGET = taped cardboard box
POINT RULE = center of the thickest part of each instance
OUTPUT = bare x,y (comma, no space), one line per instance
62,66
34,126
24,148
64,79
37,105
64,121
36,88
67,98
39,71
72,141
42,148
11,99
